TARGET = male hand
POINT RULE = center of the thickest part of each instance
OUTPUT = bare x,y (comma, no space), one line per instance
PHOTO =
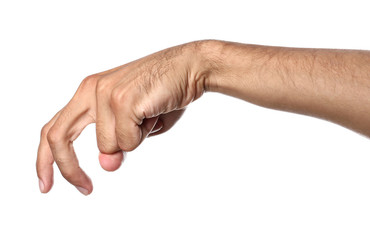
147,97
128,103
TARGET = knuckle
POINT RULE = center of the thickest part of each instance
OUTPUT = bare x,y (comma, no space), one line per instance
68,174
44,130
54,136
90,82
117,97
103,86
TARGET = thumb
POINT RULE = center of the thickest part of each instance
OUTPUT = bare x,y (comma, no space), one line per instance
111,162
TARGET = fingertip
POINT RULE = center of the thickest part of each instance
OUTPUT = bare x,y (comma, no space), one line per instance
111,162
84,191
45,184
44,170
87,188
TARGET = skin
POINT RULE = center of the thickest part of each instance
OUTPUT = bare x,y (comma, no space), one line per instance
146,97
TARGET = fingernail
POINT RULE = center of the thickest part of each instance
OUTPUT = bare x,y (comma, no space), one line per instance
41,185
83,190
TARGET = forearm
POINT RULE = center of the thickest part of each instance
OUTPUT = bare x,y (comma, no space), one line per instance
329,84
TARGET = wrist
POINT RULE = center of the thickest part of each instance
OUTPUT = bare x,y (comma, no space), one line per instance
240,70
233,69
204,65
208,54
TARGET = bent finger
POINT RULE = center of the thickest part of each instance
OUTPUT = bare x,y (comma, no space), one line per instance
45,160
127,122
76,115
111,156
60,137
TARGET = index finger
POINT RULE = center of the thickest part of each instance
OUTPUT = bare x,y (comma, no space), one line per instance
74,117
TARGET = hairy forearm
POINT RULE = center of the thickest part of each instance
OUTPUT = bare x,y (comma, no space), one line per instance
329,84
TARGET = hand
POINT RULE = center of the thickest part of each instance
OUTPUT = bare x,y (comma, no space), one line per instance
147,97
128,103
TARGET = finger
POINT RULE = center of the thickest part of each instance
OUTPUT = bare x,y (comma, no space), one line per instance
78,113
111,155
67,127
45,160
132,122
131,133
127,123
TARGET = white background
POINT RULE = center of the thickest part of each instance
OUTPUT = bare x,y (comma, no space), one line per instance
227,170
